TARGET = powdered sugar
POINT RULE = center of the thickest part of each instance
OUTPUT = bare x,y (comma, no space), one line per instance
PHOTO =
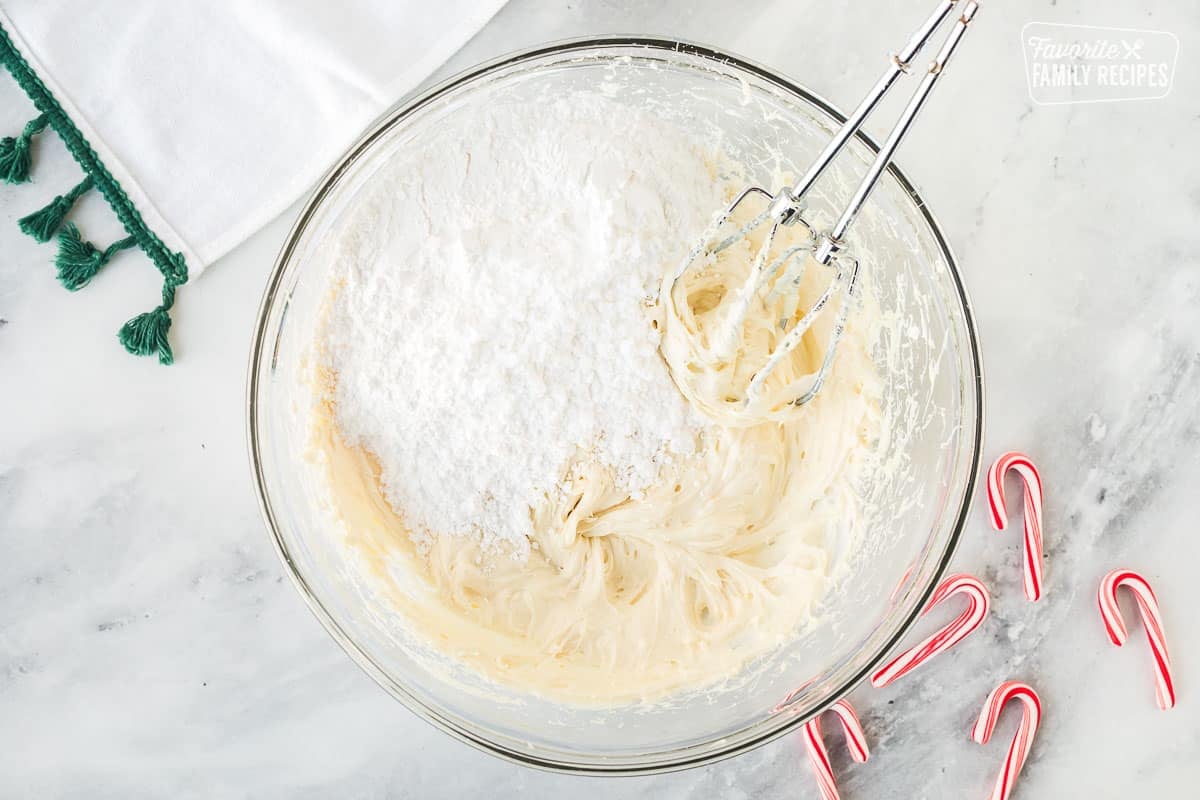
493,322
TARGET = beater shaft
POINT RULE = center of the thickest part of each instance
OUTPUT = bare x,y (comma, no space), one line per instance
786,270
884,157
790,201
832,242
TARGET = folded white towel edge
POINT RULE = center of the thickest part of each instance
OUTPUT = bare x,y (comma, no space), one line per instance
150,215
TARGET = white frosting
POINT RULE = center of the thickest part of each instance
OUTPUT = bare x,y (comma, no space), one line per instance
617,593
498,327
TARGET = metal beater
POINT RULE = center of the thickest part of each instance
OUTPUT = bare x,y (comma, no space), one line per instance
828,248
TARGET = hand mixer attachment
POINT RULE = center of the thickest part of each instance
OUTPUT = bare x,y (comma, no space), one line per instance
827,248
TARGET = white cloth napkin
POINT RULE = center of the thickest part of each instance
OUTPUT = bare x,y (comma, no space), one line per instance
212,116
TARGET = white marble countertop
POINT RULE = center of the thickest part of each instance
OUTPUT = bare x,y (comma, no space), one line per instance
150,645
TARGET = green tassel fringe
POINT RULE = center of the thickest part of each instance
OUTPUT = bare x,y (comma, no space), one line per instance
15,157
42,224
14,160
146,334
79,261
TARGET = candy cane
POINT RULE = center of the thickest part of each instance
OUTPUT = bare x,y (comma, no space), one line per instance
1033,513
1018,751
900,586
1114,625
818,756
792,695
963,626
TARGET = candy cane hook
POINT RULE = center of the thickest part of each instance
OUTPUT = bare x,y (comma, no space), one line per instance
1033,513
1114,626
978,603
1018,751
818,756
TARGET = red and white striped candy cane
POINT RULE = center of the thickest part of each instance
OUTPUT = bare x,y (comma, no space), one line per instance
1033,513
960,628
1114,626
1018,751
818,756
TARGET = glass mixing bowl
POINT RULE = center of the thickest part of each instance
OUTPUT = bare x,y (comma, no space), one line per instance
918,493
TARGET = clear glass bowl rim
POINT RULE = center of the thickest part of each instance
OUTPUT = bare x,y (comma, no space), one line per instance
697,755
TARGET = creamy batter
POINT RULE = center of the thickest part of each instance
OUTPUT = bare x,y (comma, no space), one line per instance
626,595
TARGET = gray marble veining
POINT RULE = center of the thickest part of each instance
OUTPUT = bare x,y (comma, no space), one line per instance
150,645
